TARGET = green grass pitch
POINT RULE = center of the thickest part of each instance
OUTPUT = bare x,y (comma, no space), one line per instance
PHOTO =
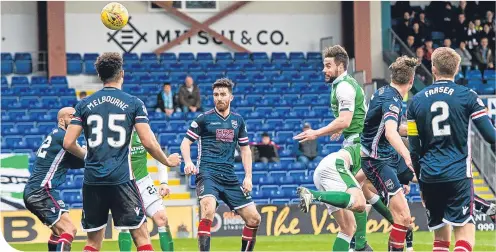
485,241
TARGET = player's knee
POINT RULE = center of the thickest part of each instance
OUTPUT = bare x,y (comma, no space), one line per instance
405,218
208,213
348,228
161,219
254,219
67,227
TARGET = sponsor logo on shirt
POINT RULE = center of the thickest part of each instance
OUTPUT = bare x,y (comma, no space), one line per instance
224,135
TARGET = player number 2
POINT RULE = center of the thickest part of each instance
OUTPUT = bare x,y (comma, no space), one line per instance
97,122
437,120
43,148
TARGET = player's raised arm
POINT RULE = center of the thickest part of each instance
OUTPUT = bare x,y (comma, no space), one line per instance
72,133
481,120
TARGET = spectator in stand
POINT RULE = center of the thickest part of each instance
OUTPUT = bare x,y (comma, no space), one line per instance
489,34
418,34
420,71
410,43
309,150
478,25
489,19
447,15
472,36
424,23
484,56
466,61
266,151
460,28
462,8
189,96
428,49
165,100
82,95
447,42
404,28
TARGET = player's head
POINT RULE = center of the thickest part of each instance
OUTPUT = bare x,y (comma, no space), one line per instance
109,68
222,91
335,62
445,63
403,71
64,116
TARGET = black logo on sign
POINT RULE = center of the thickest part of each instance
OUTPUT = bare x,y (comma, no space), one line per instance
127,39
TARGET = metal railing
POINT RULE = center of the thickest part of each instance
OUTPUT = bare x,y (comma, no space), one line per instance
484,158
421,70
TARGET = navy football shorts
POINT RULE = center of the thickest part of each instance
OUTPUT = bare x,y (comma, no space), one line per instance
382,174
123,200
46,204
449,203
231,193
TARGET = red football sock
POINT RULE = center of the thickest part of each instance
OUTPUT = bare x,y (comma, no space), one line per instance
65,241
462,246
440,246
146,247
89,248
397,237
204,227
248,238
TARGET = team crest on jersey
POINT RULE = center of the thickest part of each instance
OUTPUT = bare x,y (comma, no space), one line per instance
224,135
480,102
52,209
389,184
137,210
234,124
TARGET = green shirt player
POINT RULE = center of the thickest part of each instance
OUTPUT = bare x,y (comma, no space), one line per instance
152,200
349,109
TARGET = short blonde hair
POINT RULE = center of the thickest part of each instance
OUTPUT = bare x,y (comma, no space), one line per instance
446,61
403,69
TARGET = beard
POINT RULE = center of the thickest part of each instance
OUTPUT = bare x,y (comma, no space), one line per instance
331,79
221,107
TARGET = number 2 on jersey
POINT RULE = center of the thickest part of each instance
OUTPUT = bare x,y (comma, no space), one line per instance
96,121
437,120
42,151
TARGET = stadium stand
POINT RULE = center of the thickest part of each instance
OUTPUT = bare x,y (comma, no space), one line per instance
278,105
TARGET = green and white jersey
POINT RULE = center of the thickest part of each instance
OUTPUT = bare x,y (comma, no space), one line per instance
356,159
138,157
347,95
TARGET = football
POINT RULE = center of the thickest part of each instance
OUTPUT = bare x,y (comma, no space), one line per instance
114,16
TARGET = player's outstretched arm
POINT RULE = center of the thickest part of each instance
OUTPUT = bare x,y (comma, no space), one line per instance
246,158
70,141
189,167
394,138
153,147
337,125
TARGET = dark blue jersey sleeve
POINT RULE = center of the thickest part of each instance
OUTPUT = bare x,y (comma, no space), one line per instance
141,113
195,128
243,134
391,110
413,139
479,116
77,118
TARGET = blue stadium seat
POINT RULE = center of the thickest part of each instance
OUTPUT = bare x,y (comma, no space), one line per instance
46,127
33,142
204,56
314,57
223,56
12,142
296,57
24,127
240,56
168,57
54,80
19,80
167,138
72,196
7,66
489,74
259,57
148,57
29,102
130,57
186,57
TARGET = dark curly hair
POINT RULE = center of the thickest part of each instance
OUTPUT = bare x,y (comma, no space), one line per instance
108,66
223,82
338,53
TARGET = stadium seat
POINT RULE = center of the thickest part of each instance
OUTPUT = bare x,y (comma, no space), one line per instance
148,57
186,57
168,58
204,57
7,65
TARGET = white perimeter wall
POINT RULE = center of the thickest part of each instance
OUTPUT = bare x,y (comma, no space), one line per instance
294,26
19,22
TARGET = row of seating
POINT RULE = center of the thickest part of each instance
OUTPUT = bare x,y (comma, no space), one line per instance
35,102
27,90
21,63
488,88
35,80
207,66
